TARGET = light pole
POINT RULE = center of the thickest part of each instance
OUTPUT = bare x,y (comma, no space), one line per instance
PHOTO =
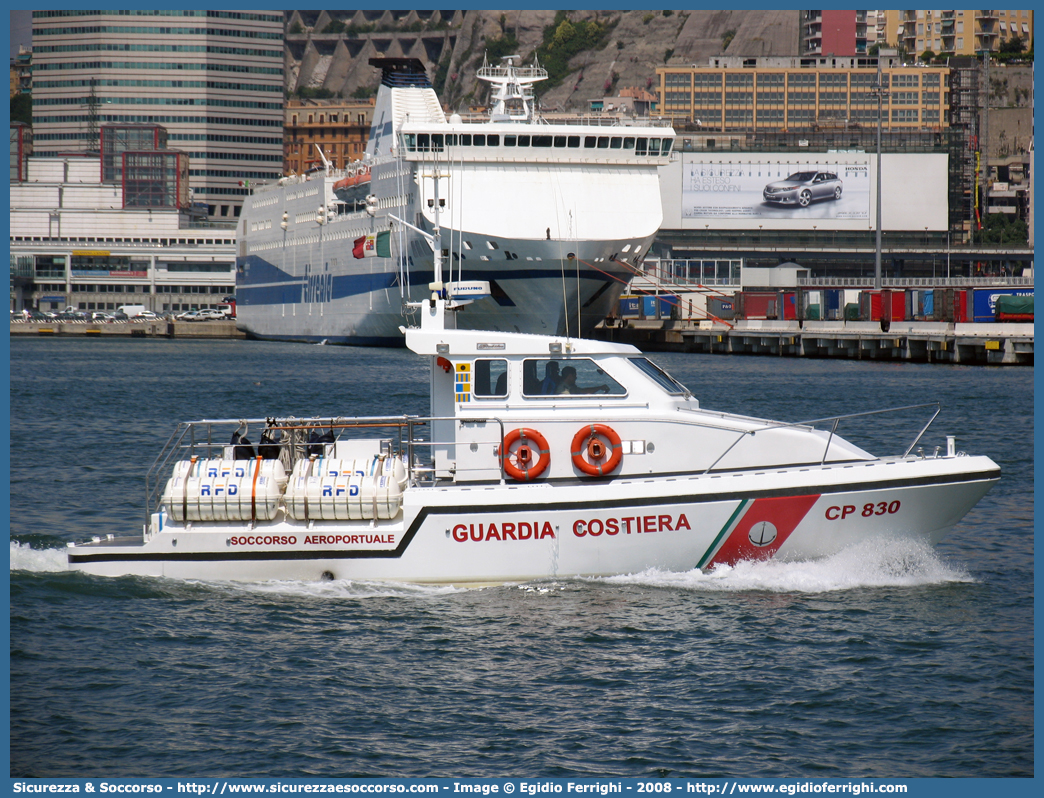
877,250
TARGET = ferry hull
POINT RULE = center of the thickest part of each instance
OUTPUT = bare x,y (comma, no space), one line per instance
359,303
589,529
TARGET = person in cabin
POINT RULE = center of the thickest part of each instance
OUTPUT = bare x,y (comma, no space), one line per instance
568,384
549,387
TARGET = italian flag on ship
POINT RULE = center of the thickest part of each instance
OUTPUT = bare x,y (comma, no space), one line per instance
375,245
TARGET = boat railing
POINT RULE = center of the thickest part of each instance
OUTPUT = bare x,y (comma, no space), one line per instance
834,422
290,437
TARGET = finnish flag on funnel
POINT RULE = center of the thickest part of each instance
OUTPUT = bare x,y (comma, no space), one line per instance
376,245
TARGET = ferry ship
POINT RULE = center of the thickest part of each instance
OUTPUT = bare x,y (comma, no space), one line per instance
554,217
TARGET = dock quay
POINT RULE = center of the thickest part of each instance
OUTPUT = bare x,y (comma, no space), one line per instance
132,328
916,341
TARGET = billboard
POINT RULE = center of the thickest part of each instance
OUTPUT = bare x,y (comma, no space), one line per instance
811,191
776,190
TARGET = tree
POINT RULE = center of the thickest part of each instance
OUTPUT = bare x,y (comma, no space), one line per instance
927,56
1013,45
22,108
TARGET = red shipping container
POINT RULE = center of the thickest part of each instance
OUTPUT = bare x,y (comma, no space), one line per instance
759,305
789,305
960,305
895,300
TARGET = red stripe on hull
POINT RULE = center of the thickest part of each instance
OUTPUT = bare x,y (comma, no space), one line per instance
763,529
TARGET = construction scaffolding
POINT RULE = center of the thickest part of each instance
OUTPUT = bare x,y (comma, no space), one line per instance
966,145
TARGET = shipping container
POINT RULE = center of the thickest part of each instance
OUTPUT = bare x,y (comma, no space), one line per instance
666,303
984,303
888,304
759,305
789,301
630,307
833,304
720,308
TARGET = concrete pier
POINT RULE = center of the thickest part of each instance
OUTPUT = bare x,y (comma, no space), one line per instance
926,342
132,329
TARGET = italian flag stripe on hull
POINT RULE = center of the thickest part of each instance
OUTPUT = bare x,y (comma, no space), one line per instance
757,529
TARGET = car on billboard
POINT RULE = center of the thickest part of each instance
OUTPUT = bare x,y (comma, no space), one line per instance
804,188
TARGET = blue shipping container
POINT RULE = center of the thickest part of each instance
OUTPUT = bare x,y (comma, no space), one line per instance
928,304
666,303
985,301
630,307
833,299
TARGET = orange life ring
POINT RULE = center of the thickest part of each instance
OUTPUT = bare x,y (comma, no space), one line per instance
519,463
586,438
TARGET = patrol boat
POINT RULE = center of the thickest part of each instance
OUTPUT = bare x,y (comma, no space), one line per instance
543,457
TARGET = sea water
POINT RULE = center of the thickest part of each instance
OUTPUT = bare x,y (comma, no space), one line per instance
882,661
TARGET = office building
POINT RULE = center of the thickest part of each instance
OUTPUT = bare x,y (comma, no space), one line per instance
213,79
805,93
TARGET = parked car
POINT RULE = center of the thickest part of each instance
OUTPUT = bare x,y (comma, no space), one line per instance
119,316
212,314
99,315
803,188
189,315
37,315
71,314
148,315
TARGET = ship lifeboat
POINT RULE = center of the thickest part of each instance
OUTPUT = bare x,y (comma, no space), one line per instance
355,184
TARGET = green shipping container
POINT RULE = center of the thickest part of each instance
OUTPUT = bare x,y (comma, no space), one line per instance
852,311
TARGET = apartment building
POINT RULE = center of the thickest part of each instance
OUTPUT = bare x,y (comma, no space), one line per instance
957,32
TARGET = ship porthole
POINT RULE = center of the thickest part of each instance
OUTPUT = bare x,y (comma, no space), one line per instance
326,576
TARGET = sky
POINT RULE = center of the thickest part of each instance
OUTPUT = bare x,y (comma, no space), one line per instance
21,29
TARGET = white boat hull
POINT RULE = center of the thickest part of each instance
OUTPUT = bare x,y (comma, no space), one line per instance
496,533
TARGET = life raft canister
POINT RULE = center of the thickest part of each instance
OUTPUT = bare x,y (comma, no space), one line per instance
519,463
589,439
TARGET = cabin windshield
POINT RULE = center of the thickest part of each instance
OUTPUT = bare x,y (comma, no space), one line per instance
568,376
659,376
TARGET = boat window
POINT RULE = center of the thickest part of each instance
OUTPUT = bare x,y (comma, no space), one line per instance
465,139
590,141
628,142
667,146
510,141
523,141
560,141
574,141
639,146
480,139
567,377
423,142
543,141
410,140
451,139
654,147
603,142
659,376
490,378
614,143
493,140
436,142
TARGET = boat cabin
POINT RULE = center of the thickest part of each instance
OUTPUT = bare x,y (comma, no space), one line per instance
511,406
